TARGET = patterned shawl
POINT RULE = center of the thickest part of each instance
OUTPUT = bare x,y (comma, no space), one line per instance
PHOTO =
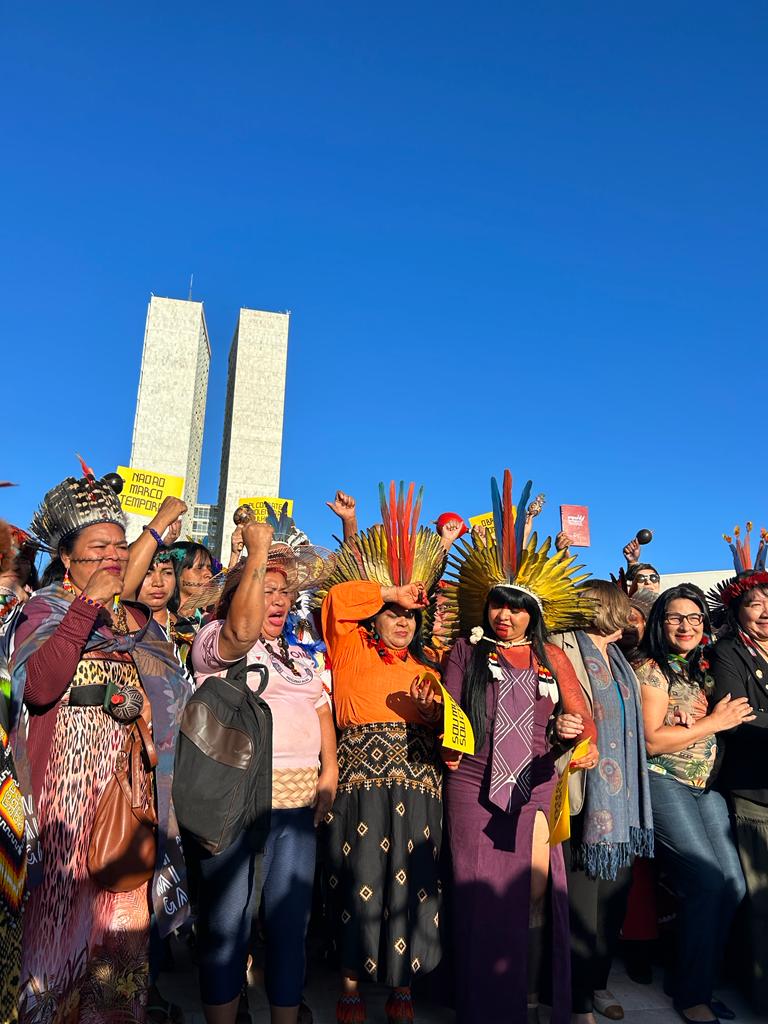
167,688
617,816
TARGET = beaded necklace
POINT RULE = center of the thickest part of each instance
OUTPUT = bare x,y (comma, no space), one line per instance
282,654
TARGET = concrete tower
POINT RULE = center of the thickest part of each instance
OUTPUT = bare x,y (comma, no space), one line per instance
253,419
170,408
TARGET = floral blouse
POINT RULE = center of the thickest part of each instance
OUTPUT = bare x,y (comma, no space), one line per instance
693,765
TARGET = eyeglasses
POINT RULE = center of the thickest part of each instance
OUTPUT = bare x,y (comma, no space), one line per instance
694,619
652,577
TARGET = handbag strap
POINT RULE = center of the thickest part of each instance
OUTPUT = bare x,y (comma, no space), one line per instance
146,739
129,775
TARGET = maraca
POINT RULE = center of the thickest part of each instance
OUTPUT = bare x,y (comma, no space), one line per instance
243,514
113,481
644,536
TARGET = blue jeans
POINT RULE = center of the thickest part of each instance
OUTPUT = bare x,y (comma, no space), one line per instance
228,899
696,848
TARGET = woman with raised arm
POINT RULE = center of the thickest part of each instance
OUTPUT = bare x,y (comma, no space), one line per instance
385,826
509,681
250,621
97,677
693,837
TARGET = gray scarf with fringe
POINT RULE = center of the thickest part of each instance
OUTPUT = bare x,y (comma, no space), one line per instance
617,815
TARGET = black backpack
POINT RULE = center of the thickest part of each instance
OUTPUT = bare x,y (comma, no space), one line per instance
222,776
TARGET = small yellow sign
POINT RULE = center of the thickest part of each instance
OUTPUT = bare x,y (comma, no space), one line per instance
144,490
457,732
486,521
560,808
259,506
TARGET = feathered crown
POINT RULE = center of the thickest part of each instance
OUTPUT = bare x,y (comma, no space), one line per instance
502,559
395,552
76,503
748,575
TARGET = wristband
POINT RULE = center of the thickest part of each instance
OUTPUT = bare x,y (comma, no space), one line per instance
91,603
155,536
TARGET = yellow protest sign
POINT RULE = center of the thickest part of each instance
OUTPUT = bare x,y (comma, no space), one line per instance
486,521
259,506
560,808
457,732
144,490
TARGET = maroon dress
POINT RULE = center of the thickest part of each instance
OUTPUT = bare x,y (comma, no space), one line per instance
491,858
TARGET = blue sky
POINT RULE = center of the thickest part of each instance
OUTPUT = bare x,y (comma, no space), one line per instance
509,234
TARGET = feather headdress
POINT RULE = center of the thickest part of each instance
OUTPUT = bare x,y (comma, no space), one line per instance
747,575
395,552
501,558
76,503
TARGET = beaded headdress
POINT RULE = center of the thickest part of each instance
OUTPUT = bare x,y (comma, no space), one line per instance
76,503
747,574
500,558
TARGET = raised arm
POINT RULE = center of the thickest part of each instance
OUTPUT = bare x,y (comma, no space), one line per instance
245,617
142,551
344,507
348,604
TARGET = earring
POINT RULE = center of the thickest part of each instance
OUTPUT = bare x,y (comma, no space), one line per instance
65,581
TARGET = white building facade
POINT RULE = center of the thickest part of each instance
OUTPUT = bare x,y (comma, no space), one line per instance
253,420
170,408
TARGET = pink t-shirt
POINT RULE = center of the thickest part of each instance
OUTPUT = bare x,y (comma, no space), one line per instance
293,698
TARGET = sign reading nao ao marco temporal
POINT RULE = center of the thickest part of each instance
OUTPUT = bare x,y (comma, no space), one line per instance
145,490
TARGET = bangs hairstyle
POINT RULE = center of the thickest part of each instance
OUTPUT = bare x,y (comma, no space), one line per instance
654,643
478,677
190,553
610,606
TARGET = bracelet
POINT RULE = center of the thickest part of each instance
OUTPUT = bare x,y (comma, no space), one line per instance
155,536
90,602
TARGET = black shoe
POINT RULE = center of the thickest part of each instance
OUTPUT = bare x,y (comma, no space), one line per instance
721,1010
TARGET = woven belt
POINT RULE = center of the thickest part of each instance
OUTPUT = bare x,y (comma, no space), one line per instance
294,787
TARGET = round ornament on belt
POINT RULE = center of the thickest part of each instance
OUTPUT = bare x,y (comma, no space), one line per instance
125,705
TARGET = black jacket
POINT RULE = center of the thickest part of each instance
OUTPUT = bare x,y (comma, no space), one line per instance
736,672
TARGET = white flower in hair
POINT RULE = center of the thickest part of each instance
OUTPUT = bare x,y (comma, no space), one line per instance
476,635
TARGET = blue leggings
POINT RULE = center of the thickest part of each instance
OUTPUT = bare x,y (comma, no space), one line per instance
228,899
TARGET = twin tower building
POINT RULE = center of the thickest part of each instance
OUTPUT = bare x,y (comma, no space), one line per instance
170,411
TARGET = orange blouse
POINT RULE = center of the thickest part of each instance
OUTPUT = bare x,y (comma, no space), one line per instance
365,688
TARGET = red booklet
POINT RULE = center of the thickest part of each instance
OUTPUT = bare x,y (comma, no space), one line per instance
574,520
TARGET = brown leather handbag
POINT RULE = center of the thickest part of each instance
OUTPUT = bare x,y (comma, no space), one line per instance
123,847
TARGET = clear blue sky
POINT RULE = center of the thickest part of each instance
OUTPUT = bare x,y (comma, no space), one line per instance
510,234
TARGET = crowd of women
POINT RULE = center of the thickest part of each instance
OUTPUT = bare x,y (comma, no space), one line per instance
418,852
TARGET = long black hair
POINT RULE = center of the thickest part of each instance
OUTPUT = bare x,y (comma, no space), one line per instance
654,644
183,555
478,676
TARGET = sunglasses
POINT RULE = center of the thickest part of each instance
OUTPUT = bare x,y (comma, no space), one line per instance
651,577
